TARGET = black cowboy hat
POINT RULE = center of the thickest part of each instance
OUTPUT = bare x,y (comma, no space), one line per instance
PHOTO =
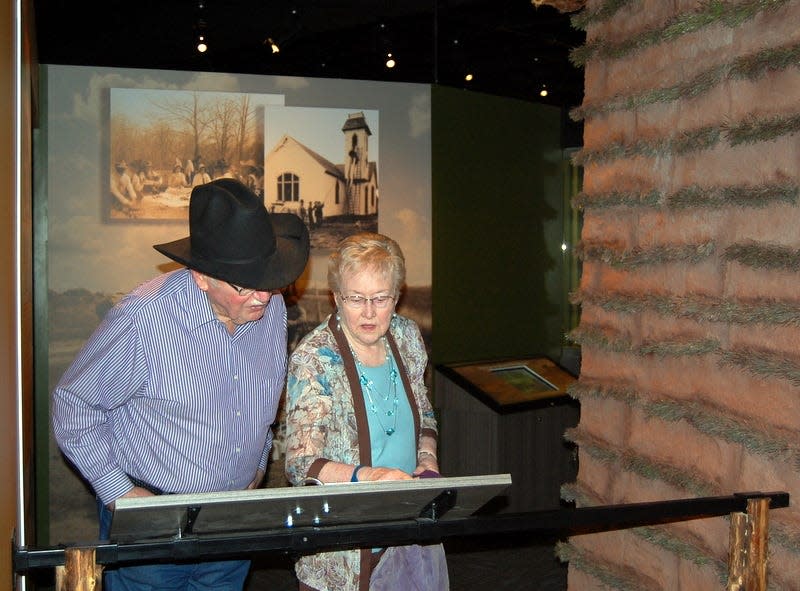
234,238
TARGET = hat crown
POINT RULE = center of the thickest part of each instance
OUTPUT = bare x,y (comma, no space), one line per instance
230,226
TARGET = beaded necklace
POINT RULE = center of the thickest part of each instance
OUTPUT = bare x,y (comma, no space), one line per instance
373,395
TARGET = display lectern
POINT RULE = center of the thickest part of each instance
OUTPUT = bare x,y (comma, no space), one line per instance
509,416
286,509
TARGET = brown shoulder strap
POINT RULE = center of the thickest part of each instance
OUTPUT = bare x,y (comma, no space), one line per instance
364,447
401,367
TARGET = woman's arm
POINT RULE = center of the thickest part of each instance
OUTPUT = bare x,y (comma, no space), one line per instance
416,359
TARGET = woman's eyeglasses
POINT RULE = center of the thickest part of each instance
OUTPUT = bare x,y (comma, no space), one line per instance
356,302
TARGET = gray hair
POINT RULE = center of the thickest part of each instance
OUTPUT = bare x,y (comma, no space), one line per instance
367,251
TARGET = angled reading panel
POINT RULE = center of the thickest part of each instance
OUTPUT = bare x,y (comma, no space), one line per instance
271,509
512,384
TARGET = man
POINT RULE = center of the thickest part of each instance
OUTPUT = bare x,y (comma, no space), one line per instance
125,197
150,180
201,177
177,179
176,390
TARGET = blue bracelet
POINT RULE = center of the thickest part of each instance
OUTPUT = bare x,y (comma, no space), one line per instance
354,477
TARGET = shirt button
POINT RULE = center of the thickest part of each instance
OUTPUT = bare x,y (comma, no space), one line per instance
238,450
235,377
238,413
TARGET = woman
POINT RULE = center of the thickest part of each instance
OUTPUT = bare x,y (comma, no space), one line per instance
357,406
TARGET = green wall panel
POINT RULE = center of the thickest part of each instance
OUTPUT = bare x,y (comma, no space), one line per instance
497,208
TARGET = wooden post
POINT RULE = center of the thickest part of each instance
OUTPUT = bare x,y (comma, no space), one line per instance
737,552
756,574
79,573
747,553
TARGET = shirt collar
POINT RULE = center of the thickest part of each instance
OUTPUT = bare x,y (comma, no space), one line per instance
195,303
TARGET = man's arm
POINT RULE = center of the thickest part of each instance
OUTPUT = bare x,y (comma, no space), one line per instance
105,375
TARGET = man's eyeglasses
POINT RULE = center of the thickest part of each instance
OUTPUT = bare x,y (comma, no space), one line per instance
356,302
242,291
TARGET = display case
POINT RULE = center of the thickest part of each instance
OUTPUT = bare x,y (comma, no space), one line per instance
509,416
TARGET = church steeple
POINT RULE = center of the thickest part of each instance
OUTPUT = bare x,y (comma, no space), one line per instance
356,147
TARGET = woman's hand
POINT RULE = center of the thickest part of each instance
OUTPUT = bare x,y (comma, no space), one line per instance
426,461
381,473
339,472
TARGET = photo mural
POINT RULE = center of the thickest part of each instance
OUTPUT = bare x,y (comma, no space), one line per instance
165,142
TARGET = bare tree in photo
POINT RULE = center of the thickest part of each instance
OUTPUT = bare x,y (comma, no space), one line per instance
192,116
245,116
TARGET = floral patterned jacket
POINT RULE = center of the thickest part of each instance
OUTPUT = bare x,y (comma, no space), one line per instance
326,420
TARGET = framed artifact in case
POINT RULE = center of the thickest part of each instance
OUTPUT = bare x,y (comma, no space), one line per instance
507,385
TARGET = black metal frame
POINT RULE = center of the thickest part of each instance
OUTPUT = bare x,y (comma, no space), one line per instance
426,529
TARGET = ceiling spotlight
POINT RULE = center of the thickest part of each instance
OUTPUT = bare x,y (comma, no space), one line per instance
385,44
468,77
272,45
200,28
543,91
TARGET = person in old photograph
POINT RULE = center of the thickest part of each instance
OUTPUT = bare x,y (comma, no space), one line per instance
149,180
177,179
223,170
124,197
255,180
302,210
189,171
317,209
176,390
201,177
357,410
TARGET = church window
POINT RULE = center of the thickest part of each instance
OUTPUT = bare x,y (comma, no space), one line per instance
288,187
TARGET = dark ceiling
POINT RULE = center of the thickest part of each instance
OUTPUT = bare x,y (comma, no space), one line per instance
512,47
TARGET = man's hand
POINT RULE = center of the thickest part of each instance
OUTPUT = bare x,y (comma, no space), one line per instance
256,482
136,491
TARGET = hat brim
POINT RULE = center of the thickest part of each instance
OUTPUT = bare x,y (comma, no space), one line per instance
281,269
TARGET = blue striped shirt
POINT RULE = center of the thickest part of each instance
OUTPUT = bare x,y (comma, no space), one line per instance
161,391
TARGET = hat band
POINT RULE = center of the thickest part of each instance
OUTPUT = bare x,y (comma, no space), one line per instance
218,259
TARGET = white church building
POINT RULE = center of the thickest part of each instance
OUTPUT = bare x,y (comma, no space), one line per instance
296,176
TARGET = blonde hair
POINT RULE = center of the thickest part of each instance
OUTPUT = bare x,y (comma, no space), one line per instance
367,251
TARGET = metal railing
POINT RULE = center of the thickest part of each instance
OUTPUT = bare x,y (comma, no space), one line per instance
747,569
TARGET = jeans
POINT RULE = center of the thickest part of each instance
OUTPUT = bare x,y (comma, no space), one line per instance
222,575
